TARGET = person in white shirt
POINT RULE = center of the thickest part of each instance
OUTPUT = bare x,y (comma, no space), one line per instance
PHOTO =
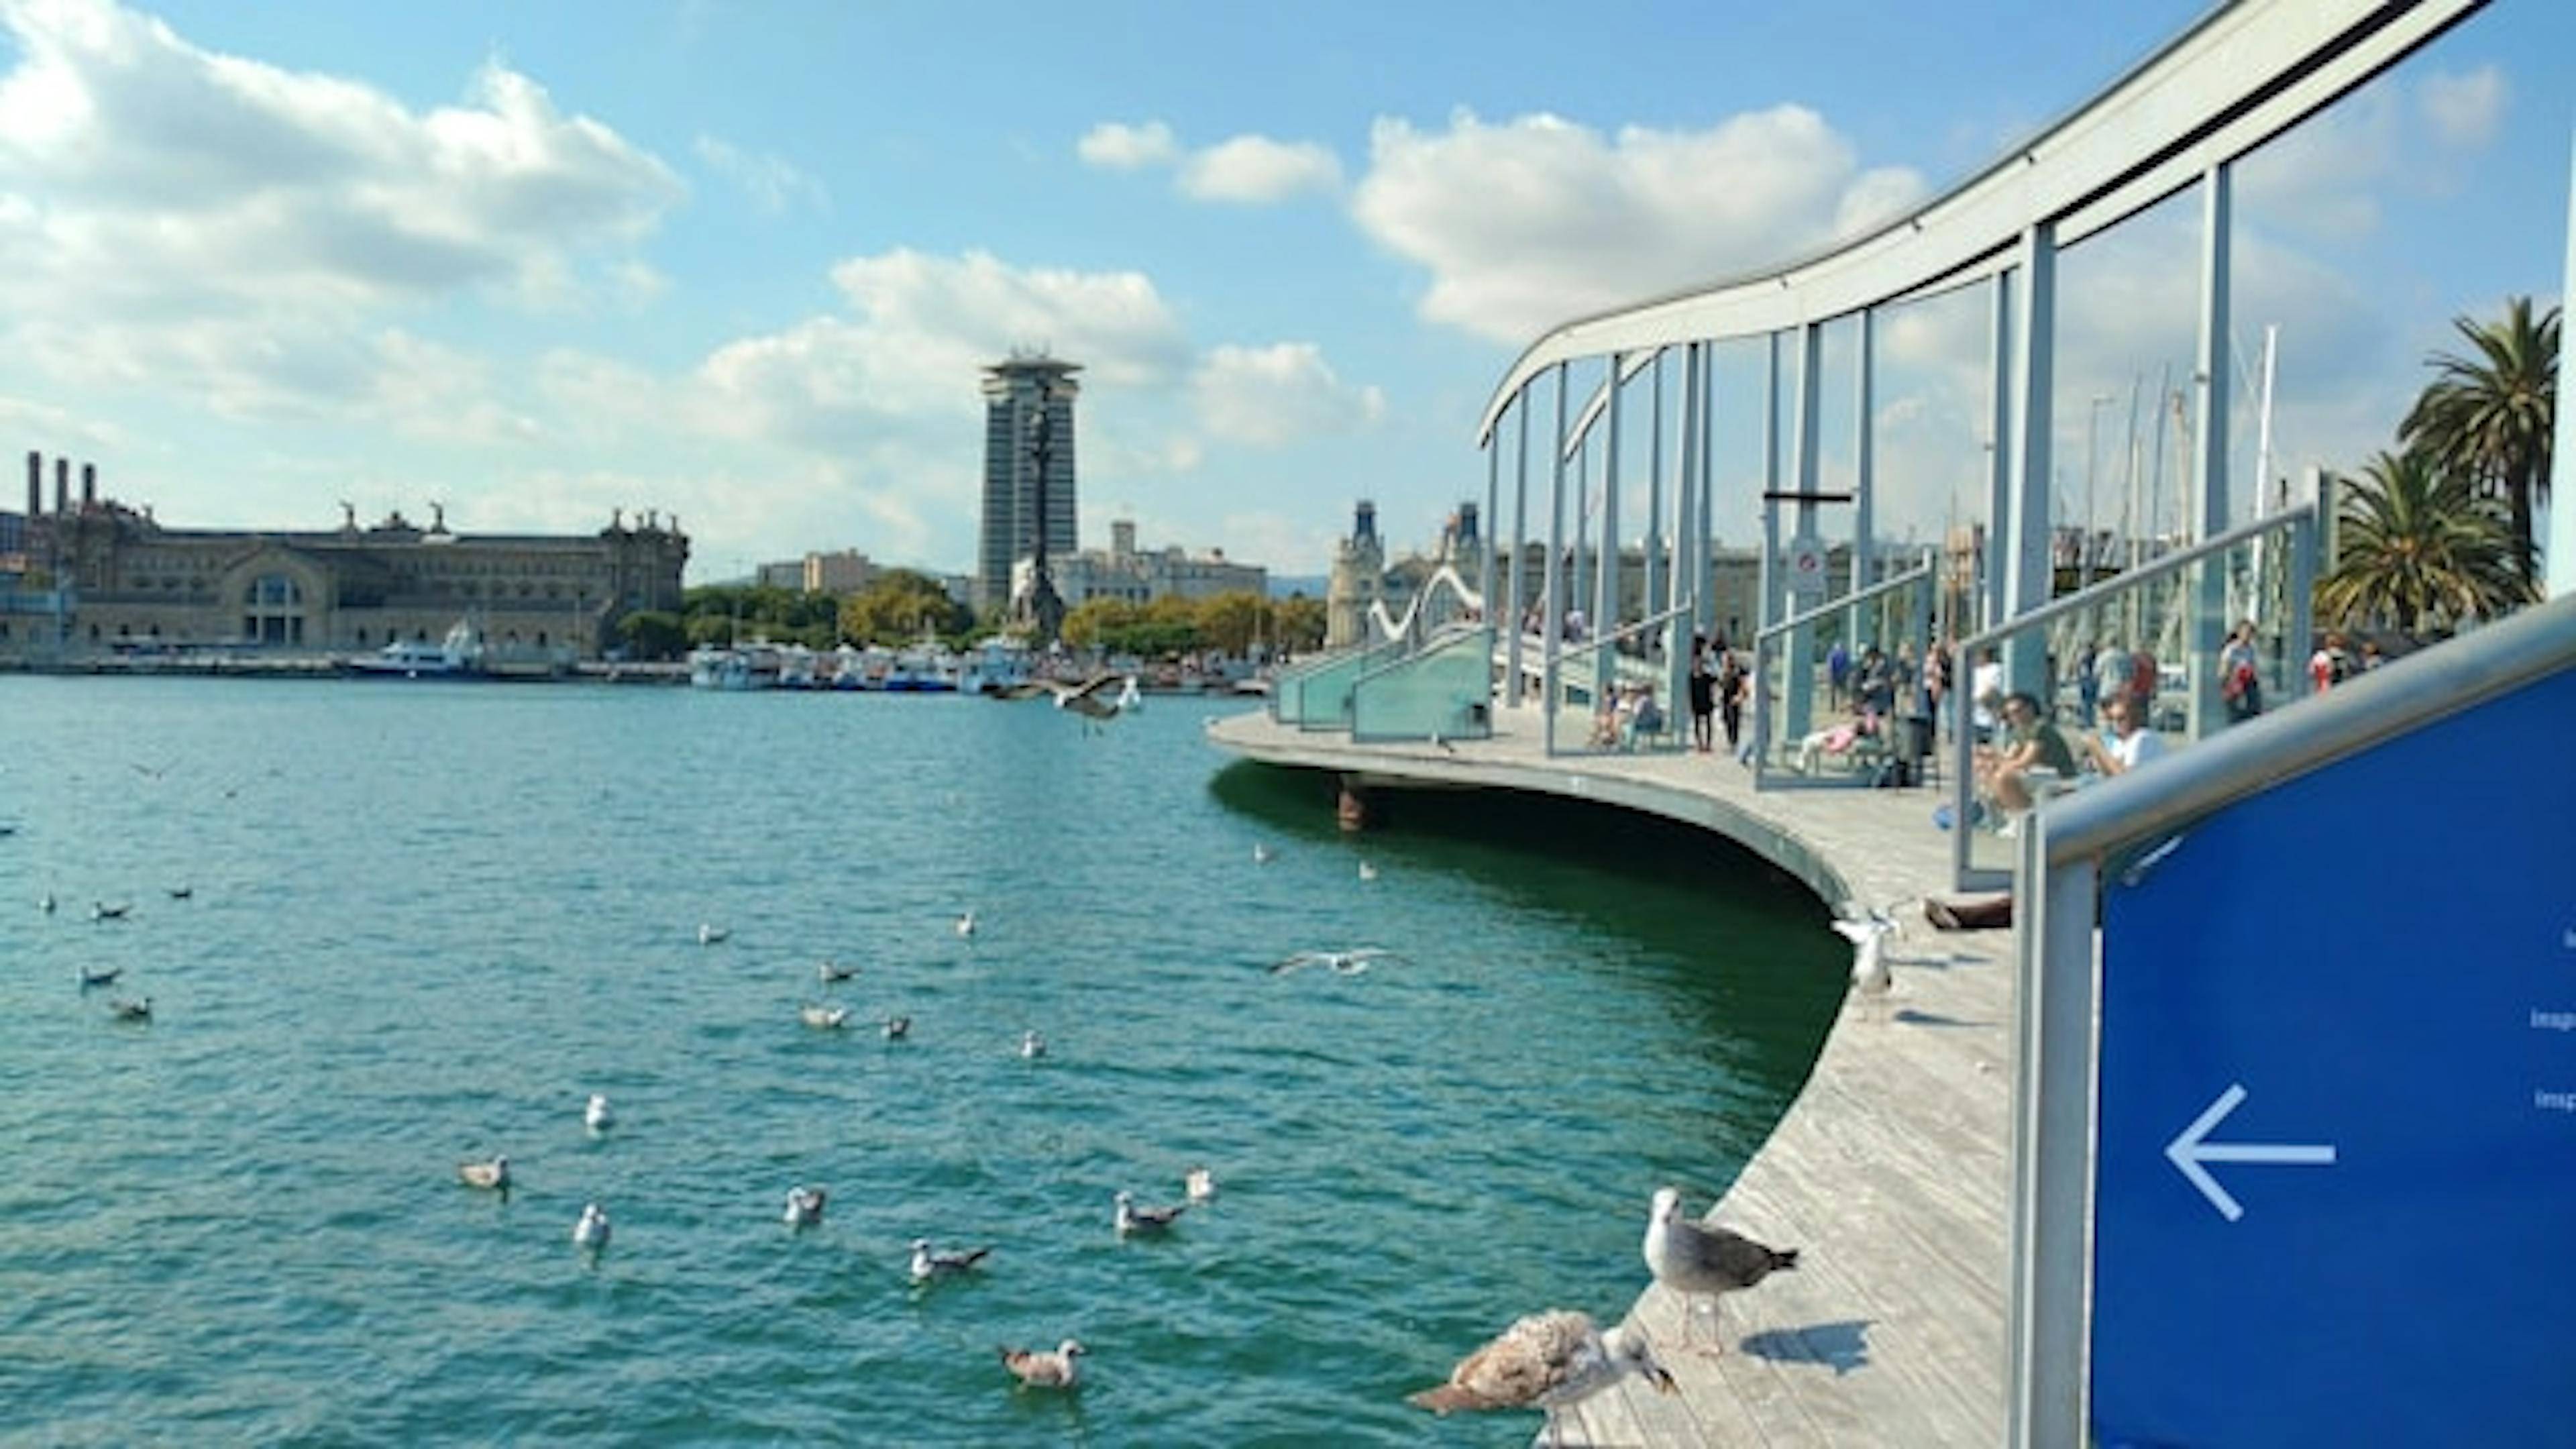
2132,743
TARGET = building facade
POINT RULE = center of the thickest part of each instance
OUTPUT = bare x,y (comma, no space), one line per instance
119,579
1028,470
1142,577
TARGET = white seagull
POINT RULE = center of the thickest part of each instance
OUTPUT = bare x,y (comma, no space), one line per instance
711,934
139,1009
966,923
1090,699
1871,978
831,971
804,1207
493,1175
928,1263
1038,1369
1032,1045
1367,871
1546,1361
1198,1184
1260,853
823,1018
1344,963
592,1231
1134,1219
597,1116
1702,1260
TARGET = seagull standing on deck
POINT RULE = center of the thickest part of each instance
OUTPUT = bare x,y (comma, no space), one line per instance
1702,1260
1871,979
1546,1361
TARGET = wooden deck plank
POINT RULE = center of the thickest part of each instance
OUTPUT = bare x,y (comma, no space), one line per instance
1890,1172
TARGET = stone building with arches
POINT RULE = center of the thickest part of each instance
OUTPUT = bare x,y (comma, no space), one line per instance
97,576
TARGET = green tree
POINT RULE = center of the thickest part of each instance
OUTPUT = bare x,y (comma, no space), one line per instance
2419,550
1098,623
899,606
652,634
1301,623
2488,416
1229,623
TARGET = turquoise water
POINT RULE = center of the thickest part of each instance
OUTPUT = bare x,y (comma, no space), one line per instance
428,920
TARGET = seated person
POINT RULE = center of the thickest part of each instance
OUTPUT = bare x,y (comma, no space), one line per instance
1839,739
2032,749
2131,743
1607,725
1647,718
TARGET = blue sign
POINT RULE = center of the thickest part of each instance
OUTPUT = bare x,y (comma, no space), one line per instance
2336,1162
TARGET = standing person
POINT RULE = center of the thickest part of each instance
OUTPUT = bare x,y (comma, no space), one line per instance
1731,688
1703,693
2111,674
1936,674
2240,681
1838,665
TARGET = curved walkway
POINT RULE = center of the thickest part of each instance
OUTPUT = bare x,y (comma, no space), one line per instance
1891,1171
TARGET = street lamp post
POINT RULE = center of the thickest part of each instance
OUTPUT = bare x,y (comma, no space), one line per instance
1046,609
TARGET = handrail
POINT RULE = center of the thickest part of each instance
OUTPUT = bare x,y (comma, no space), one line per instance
1845,603
2171,563
1914,578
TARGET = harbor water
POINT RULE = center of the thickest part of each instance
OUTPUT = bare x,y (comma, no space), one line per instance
423,922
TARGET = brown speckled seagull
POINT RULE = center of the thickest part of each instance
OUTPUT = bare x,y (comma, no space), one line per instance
1037,1369
1546,1361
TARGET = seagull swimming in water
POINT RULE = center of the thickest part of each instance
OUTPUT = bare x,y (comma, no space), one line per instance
493,1175
1343,963
106,977
47,904
182,892
1032,1045
928,1263
804,1207
823,1018
1702,1260
102,911
897,1027
966,923
1038,1369
1367,871
1546,1361
711,934
139,1009
597,1116
831,971
1198,1184
1260,853
592,1231
1133,1219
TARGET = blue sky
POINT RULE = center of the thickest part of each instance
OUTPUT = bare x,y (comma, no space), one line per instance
742,263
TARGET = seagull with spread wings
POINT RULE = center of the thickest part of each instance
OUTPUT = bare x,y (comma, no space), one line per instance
1341,963
1099,699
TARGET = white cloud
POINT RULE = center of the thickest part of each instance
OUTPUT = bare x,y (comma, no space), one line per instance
235,231
1121,147
2466,109
1258,170
1534,222
1272,396
773,183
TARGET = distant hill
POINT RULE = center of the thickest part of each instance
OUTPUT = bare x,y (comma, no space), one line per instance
1310,585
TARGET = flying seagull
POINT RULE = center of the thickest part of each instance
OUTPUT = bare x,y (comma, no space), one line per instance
1546,1361
1871,978
493,1175
928,1263
1344,963
592,1231
1038,1369
1134,1219
1702,1260
804,1207
1092,699
597,1116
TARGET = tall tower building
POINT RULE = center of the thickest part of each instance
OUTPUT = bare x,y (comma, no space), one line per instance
1358,580
1017,395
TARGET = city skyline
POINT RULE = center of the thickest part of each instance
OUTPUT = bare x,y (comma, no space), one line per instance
748,268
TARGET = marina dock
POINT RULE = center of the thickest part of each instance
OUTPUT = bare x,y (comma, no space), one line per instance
1890,1172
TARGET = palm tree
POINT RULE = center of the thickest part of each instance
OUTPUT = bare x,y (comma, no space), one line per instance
2489,415
2418,549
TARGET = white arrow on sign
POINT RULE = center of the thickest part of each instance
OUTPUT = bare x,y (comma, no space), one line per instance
2188,1152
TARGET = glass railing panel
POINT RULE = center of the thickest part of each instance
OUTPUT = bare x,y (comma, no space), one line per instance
2161,640
1323,697
1446,690
1861,719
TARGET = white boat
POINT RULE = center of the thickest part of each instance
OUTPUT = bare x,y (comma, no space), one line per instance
459,655
924,668
998,663
742,667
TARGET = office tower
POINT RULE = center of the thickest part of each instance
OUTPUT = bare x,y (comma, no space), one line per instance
1017,394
